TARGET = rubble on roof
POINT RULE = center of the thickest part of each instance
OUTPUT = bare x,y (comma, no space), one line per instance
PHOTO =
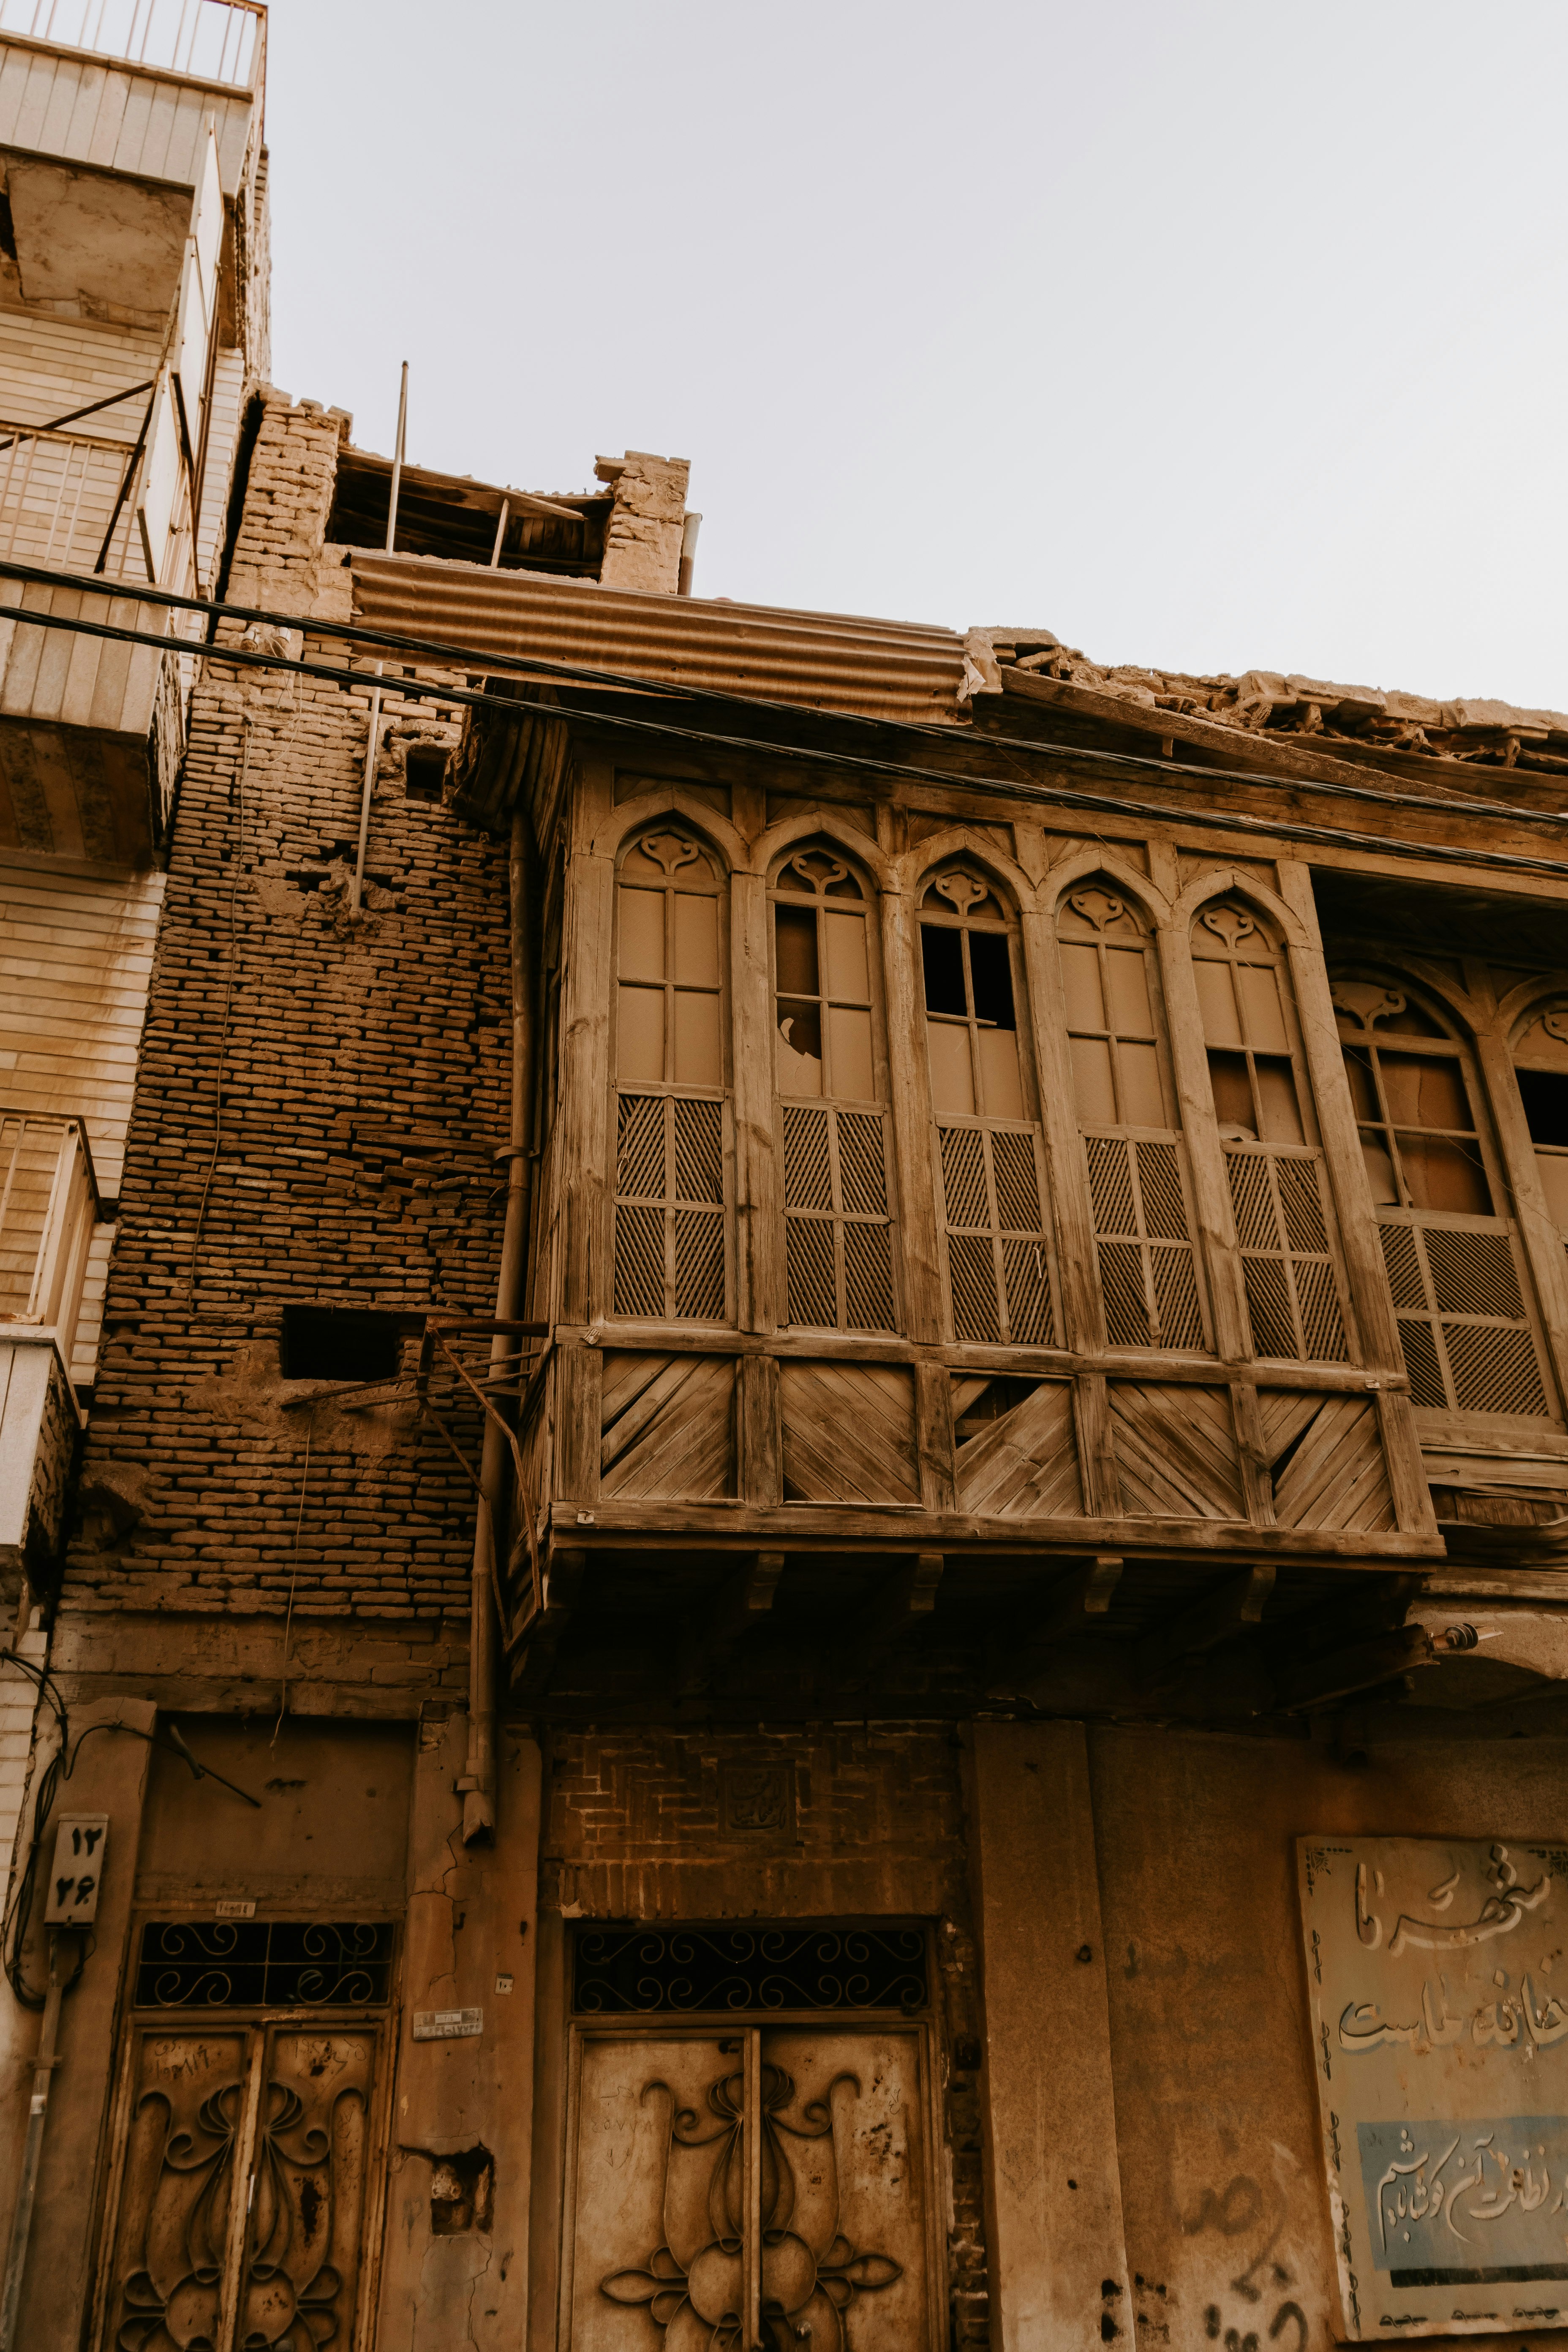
1263,702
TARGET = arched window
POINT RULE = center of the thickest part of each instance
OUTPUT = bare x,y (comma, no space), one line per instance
670,1255
838,1260
1263,1104
1442,1207
988,1140
1541,1065
1127,1111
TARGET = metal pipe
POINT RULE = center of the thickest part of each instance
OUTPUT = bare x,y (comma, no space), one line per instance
501,534
372,739
478,1782
689,531
26,2187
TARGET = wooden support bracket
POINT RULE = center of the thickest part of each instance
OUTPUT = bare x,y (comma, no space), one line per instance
1021,1651
1228,1608
712,1633
894,1611
1361,1667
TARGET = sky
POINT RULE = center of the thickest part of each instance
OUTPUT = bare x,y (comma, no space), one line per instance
1217,336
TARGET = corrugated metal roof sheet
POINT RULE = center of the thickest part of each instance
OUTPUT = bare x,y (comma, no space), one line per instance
895,670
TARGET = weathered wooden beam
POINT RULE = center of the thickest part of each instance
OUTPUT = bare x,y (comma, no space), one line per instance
1226,1610
1361,1667
536,1641
712,1633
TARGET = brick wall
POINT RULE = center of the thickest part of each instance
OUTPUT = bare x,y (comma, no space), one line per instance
858,1819
364,1076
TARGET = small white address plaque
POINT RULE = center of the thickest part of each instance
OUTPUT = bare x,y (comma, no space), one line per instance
448,2024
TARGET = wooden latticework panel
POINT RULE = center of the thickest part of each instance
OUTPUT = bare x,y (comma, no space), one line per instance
1176,1454
667,1428
669,1208
998,1273
848,1434
1017,1450
1329,1468
1145,1241
838,1254
1282,1226
1463,1325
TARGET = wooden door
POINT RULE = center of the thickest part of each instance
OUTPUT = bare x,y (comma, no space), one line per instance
239,2203
750,2191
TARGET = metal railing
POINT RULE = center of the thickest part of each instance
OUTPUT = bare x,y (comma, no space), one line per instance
209,40
49,1206
58,493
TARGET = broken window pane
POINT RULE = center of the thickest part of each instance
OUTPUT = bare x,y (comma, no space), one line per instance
799,1048
942,954
794,931
1232,1095
991,970
642,934
1545,1096
639,1045
1363,1088
1379,1171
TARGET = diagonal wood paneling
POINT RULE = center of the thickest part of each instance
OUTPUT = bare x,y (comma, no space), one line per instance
1176,1454
1024,1464
667,1428
848,1434
1331,1471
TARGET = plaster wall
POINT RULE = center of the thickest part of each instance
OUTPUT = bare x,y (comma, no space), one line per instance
1227,2230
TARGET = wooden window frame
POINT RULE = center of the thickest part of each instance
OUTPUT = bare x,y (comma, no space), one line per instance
1019,1302
1416,1283
828,1201
659,1225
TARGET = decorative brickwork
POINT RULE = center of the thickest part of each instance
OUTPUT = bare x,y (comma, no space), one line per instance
317,1107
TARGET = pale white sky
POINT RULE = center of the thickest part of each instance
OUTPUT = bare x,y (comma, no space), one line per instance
1220,335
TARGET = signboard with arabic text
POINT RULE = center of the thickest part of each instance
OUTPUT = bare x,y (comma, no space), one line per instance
1437,1971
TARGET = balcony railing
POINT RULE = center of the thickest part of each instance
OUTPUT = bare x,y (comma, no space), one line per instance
49,1206
208,40
58,493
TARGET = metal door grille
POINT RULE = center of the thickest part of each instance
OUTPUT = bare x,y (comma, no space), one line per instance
1144,1243
838,1264
1280,1222
1463,1325
999,1285
669,1208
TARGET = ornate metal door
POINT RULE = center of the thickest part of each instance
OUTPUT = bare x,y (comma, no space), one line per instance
763,2189
239,2203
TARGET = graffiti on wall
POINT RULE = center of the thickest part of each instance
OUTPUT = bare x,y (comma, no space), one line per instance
1439,2014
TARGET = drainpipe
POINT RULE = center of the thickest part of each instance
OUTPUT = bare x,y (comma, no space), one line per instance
478,1784
689,529
22,2219
374,739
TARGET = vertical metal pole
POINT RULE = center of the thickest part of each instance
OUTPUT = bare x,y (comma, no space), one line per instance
374,739
37,2116
501,534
